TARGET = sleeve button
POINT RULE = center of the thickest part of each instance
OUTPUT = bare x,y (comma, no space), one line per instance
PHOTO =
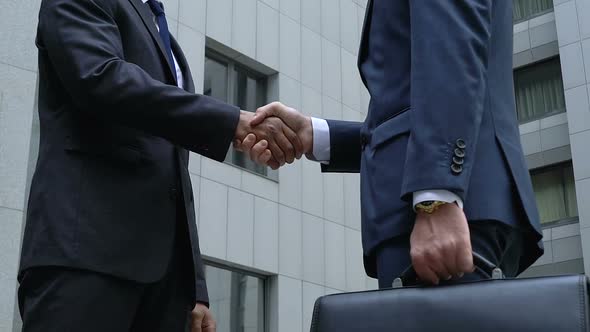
461,144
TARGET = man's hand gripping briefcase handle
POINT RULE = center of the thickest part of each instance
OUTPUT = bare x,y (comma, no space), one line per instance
409,276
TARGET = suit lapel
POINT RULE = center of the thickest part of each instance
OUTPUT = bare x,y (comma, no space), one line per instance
366,24
147,17
184,67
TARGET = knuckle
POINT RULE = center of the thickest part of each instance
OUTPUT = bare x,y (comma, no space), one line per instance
430,255
417,255
433,250
450,244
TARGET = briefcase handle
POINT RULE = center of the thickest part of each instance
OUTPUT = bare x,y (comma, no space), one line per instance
409,275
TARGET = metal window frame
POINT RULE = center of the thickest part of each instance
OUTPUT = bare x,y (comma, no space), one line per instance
560,222
561,167
532,16
231,78
535,15
543,116
533,65
264,296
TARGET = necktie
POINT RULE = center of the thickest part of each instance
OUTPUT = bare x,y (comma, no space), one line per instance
158,11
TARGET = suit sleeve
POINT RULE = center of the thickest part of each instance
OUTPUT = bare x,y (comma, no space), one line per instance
345,147
202,295
82,40
449,46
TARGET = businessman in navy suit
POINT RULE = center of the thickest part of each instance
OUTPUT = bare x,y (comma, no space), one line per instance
441,164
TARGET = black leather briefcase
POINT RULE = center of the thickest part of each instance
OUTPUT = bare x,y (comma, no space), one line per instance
549,304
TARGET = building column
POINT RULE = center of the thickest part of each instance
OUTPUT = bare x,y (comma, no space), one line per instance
574,48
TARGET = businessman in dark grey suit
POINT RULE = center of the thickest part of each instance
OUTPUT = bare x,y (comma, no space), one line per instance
441,164
110,242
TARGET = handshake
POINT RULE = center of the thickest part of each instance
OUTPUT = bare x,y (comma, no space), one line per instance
274,135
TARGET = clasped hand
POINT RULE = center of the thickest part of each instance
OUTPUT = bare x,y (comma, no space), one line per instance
274,135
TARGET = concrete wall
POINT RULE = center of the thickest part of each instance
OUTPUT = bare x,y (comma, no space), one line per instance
18,77
573,30
547,141
304,230
535,39
563,247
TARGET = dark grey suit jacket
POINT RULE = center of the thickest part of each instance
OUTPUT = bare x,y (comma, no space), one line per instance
115,130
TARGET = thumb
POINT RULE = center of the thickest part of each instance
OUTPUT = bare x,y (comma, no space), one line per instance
237,145
197,322
196,327
264,112
259,116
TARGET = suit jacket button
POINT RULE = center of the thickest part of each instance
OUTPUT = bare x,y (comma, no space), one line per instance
457,169
461,144
458,161
173,193
459,153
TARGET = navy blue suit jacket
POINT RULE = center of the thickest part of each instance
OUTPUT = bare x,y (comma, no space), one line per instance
442,116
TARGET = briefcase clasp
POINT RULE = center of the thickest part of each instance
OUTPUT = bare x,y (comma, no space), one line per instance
497,274
397,283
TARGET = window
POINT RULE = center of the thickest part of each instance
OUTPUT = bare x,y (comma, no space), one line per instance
539,90
230,82
556,193
527,9
237,300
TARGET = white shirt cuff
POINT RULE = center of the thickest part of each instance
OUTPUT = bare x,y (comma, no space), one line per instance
437,195
321,140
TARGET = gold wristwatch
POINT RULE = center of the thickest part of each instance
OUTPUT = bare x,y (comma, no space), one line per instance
429,206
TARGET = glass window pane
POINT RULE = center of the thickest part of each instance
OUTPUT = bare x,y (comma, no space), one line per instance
216,83
236,300
526,9
550,195
250,93
555,193
231,83
246,91
539,90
